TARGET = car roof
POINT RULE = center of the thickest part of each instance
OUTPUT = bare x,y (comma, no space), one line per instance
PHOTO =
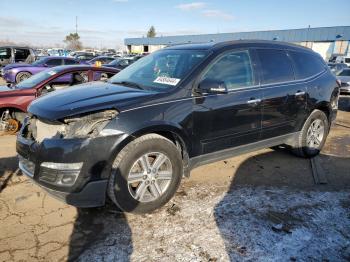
15,46
239,44
82,67
58,57
103,56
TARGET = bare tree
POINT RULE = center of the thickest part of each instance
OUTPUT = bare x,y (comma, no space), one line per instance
151,32
73,41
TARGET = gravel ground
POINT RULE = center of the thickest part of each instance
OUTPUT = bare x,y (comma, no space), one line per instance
251,224
262,206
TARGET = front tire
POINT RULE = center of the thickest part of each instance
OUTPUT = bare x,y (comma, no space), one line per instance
145,174
313,135
22,76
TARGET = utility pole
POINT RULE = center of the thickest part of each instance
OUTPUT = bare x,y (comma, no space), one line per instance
76,24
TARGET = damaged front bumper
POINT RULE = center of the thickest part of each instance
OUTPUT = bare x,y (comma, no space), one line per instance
74,170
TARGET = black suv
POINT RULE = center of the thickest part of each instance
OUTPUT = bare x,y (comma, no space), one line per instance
134,137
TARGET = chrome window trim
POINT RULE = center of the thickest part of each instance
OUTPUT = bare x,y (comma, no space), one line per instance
265,86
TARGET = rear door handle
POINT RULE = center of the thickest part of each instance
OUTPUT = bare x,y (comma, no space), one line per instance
253,101
300,93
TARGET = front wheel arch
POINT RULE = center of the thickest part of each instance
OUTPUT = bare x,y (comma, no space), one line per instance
21,73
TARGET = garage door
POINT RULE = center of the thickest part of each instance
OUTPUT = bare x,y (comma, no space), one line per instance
323,48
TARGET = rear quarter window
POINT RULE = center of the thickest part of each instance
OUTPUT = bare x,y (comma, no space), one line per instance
306,65
276,66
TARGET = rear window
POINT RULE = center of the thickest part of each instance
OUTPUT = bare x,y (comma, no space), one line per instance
345,72
70,62
306,64
275,66
54,62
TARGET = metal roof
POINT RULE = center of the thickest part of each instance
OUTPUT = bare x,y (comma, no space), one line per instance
318,34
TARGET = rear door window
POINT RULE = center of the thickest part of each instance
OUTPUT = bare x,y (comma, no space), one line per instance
21,54
306,65
5,53
276,66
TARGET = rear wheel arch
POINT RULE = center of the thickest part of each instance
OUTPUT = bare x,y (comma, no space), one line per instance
325,108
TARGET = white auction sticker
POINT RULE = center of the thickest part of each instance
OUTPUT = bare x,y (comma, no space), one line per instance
51,73
167,80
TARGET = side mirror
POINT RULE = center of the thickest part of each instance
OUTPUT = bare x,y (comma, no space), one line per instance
212,86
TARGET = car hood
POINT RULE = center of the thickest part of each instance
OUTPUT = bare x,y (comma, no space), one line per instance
5,88
344,79
11,66
85,98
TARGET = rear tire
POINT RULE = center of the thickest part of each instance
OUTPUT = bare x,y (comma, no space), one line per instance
22,76
145,174
313,135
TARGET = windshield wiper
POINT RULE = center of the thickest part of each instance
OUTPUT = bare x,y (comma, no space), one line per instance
128,83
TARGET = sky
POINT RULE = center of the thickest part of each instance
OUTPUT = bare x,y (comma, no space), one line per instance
106,23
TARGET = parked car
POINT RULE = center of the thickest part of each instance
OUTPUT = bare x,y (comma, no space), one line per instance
344,78
120,63
336,67
101,59
16,73
84,57
16,98
135,136
343,60
15,54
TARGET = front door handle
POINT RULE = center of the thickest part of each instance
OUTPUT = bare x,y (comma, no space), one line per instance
253,101
300,93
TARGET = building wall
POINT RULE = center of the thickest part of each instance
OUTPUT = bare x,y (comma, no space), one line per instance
325,40
325,49
136,49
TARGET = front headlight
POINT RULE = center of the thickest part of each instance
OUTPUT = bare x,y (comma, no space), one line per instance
88,124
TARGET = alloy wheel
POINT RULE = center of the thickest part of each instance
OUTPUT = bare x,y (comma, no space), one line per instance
315,134
150,176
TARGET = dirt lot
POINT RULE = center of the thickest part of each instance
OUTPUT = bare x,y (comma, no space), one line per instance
262,206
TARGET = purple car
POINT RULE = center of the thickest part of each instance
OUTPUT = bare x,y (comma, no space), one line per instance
15,73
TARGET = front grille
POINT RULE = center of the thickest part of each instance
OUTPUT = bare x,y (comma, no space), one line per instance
48,175
26,166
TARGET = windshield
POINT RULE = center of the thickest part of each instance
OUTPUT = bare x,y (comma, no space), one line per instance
36,79
162,69
345,72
